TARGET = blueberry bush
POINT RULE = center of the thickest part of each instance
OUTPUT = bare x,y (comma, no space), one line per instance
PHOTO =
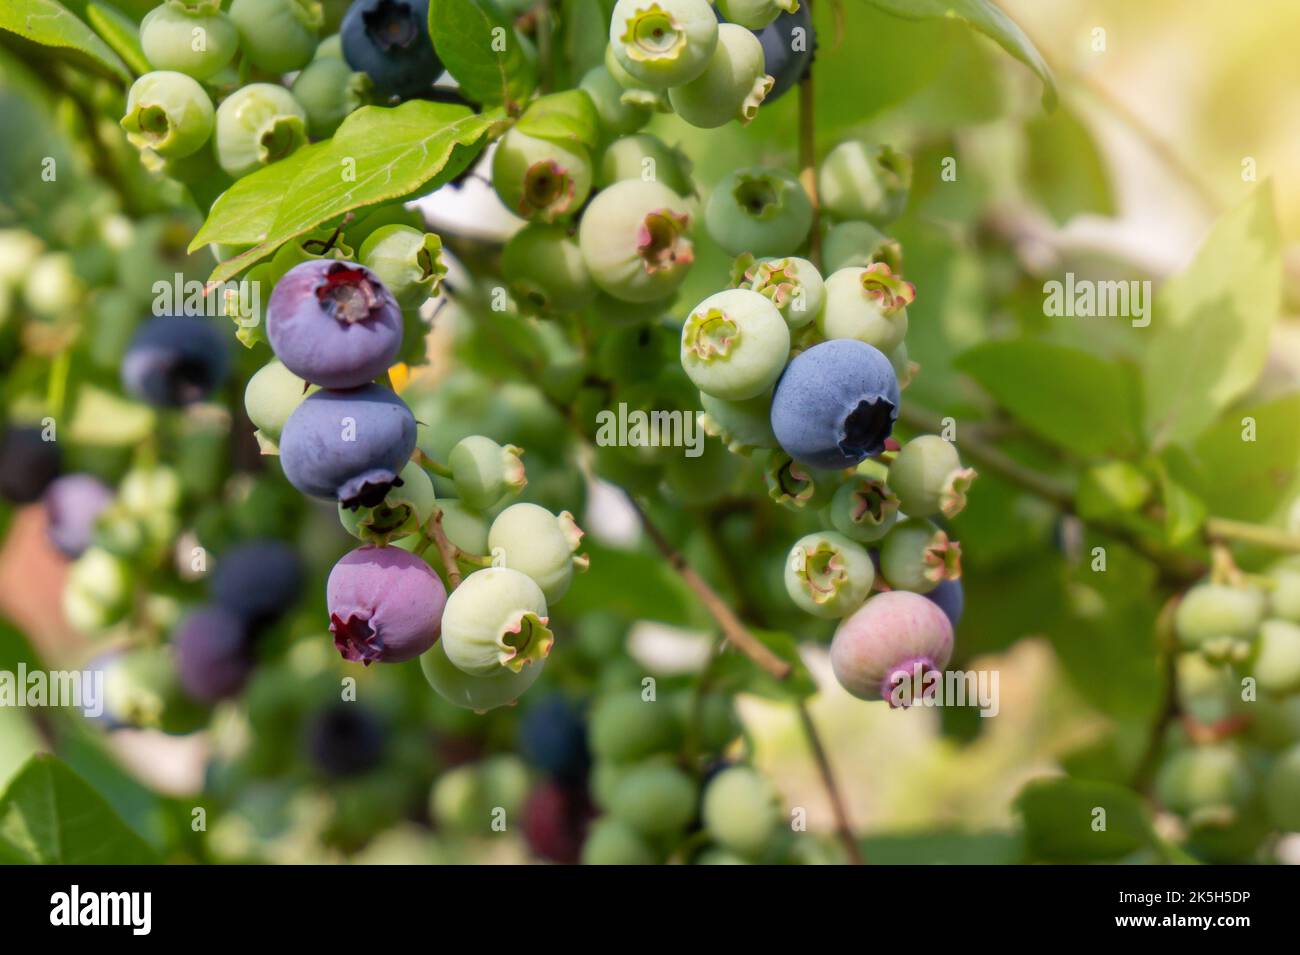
324,325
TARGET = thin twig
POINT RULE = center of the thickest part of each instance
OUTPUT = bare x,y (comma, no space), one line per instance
446,550
843,830
429,464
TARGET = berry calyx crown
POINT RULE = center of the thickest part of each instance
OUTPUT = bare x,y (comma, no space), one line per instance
889,291
349,294
872,503
652,34
942,559
548,190
661,241
952,498
821,571
710,335
524,639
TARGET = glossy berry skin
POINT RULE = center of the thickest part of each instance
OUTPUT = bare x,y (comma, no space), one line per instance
928,478
761,211
258,580
617,117
555,819
168,37
949,597
788,42
794,286
742,811
894,637
405,510
732,86
654,800
868,304
835,404
496,619
257,125
917,556
742,425
277,35
169,113
864,509
645,157
329,92
859,181
546,271
634,237
1282,791
406,261
334,324
540,179
611,842
624,728
384,605
345,740
1201,778
1219,620
1275,661
542,545
859,245
172,362
72,505
213,655
28,464
755,14
828,575
734,345
485,473
553,737
477,693
273,393
348,446
389,41
663,43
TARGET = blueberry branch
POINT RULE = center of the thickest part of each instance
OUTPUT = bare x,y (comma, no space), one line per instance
429,464
446,549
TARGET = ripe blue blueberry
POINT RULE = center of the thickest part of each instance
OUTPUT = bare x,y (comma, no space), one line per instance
277,35
477,693
348,446
869,304
345,739
553,737
663,43
732,86
213,654
258,580
385,605
835,404
73,504
928,478
496,619
334,324
389,41
173,362
28,463
761,211
634,237
828,575
734,344
894,638
950,598
169,113
788,42
256,125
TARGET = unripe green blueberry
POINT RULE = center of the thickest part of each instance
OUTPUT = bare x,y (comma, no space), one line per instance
795,287
485,472
477,693
864,509
148,490
654,800
905,369
1219,620
1203,778
755,14
142,689
464,526
1207,692
663,43
625,728
732,86
644,157
742,811
761,211
1282,791
19,250
496,619
1276,658
742,425
329,93
859,245
169,113
277,35
892,640
189,36
405,509
711,716
828,575
858,181
472,797
703,479
635,92
540,179
256,125
1284,598
718,857
869,304
331,46
408,262
610,842
795,485
634,237
617,116
917,556
98,591
928,478
272,394
546,272
533,541
735,344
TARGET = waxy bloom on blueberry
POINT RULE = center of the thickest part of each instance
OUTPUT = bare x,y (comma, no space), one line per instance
892,640
540,179
169,113
256,125
950,598
532,540
634,237
835,404
334,324
864,509
663,43
928,478
405,509
858,181
213,655
496,619
788,42
828,575
732,86
918,556
734,344
477,693
406,261
385,605
761,211
868,304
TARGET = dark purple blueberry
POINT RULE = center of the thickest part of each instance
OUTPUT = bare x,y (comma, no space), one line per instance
556,817
334,324
345,739
172,362
789,43
389,41
950,598
213,656
553,737
348,446
28,464
72,505
385,605
258,580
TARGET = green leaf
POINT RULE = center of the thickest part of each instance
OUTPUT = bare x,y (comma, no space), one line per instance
377,155
49,815
1211,323
987,18
1116,487
121,33
1073,820
736,673
943,847
564,117
1184,510
244,213
103,419
1066,173
1246,464
49,23
478,45
1066,395
636,585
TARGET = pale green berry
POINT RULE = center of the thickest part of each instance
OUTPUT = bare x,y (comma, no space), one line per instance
277,35
486,472
1284,598
1219,620
617,117
868,304
663,43
257,125
732,86
533,541
98,590
1201,778
189,36
828,575
864,509
654,800
540,179
795,287
755,14
611,842
1276,663
645,157
477,693
271,396
917,556
859,244
742,425
858,181
635,239
496,619
1282,791
404,510
735,344
928,478
169,113
408,261
546,271
761,211
624,727
742,811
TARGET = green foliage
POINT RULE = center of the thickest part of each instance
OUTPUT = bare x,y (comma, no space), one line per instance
1067,174
120,32
478,45
1064,821
49,23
